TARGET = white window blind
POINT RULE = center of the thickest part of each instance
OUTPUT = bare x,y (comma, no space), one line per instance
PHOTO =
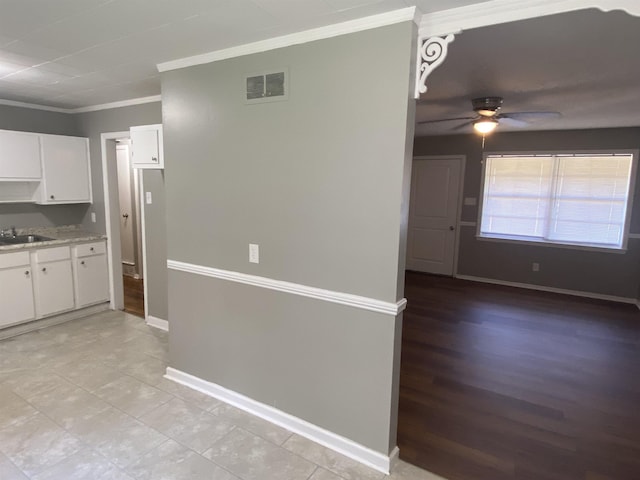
576,199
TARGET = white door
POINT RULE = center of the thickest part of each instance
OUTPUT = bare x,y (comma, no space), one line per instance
127,224
433,215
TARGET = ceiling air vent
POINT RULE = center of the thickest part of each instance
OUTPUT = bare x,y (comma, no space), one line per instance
267,87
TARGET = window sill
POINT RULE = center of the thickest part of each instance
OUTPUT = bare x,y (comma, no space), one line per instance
542,243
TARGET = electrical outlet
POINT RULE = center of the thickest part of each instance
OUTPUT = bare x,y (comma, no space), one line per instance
535,266
148,198
254,253
93,217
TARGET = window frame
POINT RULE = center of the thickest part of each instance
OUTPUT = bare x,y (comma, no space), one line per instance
557,244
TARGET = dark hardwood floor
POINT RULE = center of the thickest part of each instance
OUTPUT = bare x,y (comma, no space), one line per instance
133,296
503,383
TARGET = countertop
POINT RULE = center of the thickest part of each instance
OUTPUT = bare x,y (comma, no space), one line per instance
66,235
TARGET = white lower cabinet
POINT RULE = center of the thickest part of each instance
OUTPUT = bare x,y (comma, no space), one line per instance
16,289
38,283
53,281
90,273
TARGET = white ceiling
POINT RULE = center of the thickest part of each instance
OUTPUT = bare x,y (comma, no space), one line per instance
583,64
78,53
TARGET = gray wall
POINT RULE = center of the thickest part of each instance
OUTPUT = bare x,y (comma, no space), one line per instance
589,271
318,182
29,215
92,125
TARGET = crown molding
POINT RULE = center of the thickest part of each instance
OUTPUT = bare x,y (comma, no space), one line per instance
123,103
321,33
93,108
495,12
12,103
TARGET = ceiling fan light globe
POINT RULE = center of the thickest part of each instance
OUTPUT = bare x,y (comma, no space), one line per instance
485,125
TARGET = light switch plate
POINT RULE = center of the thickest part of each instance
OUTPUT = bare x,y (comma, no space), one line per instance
254,253
148,198
93,217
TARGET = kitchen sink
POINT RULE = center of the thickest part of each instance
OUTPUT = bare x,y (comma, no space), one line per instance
23,239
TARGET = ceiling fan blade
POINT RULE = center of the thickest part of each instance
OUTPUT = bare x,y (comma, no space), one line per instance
465,124
513,122
445,120
531,116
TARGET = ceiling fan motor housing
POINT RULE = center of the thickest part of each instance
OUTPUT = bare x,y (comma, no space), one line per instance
487,106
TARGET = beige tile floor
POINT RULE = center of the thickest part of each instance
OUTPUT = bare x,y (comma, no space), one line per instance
87,400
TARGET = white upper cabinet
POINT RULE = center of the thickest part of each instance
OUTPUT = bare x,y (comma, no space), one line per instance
146,146
66,172
19,156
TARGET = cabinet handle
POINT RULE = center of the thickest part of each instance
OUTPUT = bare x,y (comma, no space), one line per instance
154,159
44,269
82,262
91,249
125,215
52,197
26,273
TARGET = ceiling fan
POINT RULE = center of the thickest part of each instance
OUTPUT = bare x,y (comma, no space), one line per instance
488,116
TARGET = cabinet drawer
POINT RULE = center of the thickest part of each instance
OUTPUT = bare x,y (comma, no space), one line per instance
17,259
53,254
87,249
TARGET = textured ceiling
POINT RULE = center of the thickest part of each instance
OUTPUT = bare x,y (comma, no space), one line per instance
78,53
583,64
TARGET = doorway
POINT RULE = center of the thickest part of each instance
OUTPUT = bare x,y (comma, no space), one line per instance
130,229
434,213
124,225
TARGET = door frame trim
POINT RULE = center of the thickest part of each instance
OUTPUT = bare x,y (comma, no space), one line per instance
463,165
114,255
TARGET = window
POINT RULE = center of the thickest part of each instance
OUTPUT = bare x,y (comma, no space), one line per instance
575,199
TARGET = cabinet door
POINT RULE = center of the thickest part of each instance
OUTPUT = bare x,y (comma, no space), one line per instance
146,146
66,176
19,155
16,295
54,287
92,280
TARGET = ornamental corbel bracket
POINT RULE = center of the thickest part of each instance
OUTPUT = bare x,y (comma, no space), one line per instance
431,53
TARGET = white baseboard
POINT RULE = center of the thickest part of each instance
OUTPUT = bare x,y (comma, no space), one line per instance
157,323
349,448
542,288
394,456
